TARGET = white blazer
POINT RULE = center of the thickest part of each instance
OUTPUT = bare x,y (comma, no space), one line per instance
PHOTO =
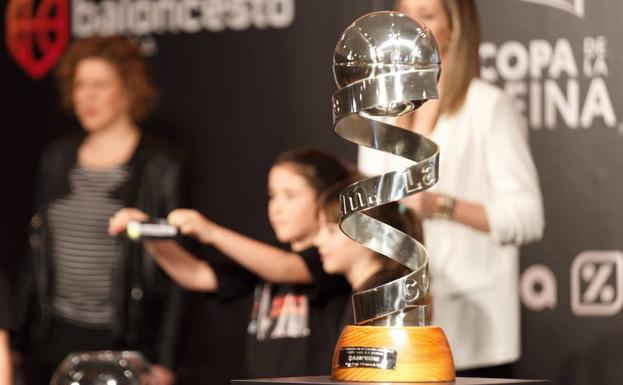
485,159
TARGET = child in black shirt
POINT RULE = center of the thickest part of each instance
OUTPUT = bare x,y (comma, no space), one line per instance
295,318
363,268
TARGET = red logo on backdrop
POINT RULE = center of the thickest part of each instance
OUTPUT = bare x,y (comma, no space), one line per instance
36,38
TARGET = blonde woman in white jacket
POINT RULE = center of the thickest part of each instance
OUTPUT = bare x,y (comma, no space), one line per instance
487,202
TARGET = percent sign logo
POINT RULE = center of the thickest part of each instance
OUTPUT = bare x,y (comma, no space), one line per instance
36,38
596,283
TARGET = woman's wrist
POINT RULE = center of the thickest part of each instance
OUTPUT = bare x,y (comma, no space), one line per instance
444,207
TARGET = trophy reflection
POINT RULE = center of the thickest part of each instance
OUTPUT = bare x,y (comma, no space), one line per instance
387,65
104,368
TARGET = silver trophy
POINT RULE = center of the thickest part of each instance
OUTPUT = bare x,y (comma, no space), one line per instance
387,65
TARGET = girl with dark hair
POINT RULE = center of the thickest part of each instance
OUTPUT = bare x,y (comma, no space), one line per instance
363,268
295,319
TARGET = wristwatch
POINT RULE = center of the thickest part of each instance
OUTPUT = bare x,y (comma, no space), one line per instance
445,207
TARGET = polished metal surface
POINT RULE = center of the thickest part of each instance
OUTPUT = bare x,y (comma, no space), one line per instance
103,368
157,229
385,65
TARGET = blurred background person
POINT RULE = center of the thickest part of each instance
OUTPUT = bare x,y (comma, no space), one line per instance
297,307
487,202
363,268
83,289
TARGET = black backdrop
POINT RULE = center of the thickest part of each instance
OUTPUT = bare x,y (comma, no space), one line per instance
235,98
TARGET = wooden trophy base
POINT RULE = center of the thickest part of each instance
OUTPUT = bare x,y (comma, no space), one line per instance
393,354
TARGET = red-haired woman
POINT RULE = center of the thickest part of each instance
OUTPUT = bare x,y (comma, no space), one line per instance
86,290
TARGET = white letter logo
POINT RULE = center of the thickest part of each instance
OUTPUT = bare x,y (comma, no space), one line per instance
538,288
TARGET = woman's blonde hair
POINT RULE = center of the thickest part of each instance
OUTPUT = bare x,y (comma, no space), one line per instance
464,63
464,60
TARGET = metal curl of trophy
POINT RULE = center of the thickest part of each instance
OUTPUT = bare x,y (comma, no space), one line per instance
387,65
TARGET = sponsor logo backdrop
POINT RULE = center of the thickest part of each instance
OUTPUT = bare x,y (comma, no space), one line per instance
561,61
244,80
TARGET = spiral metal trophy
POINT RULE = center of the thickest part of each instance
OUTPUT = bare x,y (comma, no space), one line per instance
387,65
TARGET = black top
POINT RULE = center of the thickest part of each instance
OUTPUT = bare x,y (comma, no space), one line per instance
5,316
146,304
379,278
293,328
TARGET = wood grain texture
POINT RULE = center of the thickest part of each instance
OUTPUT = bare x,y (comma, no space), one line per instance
424,354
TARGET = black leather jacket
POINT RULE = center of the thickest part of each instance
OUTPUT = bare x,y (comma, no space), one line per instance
147,304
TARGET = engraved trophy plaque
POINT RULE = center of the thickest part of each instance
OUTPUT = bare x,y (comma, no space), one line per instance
387,65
